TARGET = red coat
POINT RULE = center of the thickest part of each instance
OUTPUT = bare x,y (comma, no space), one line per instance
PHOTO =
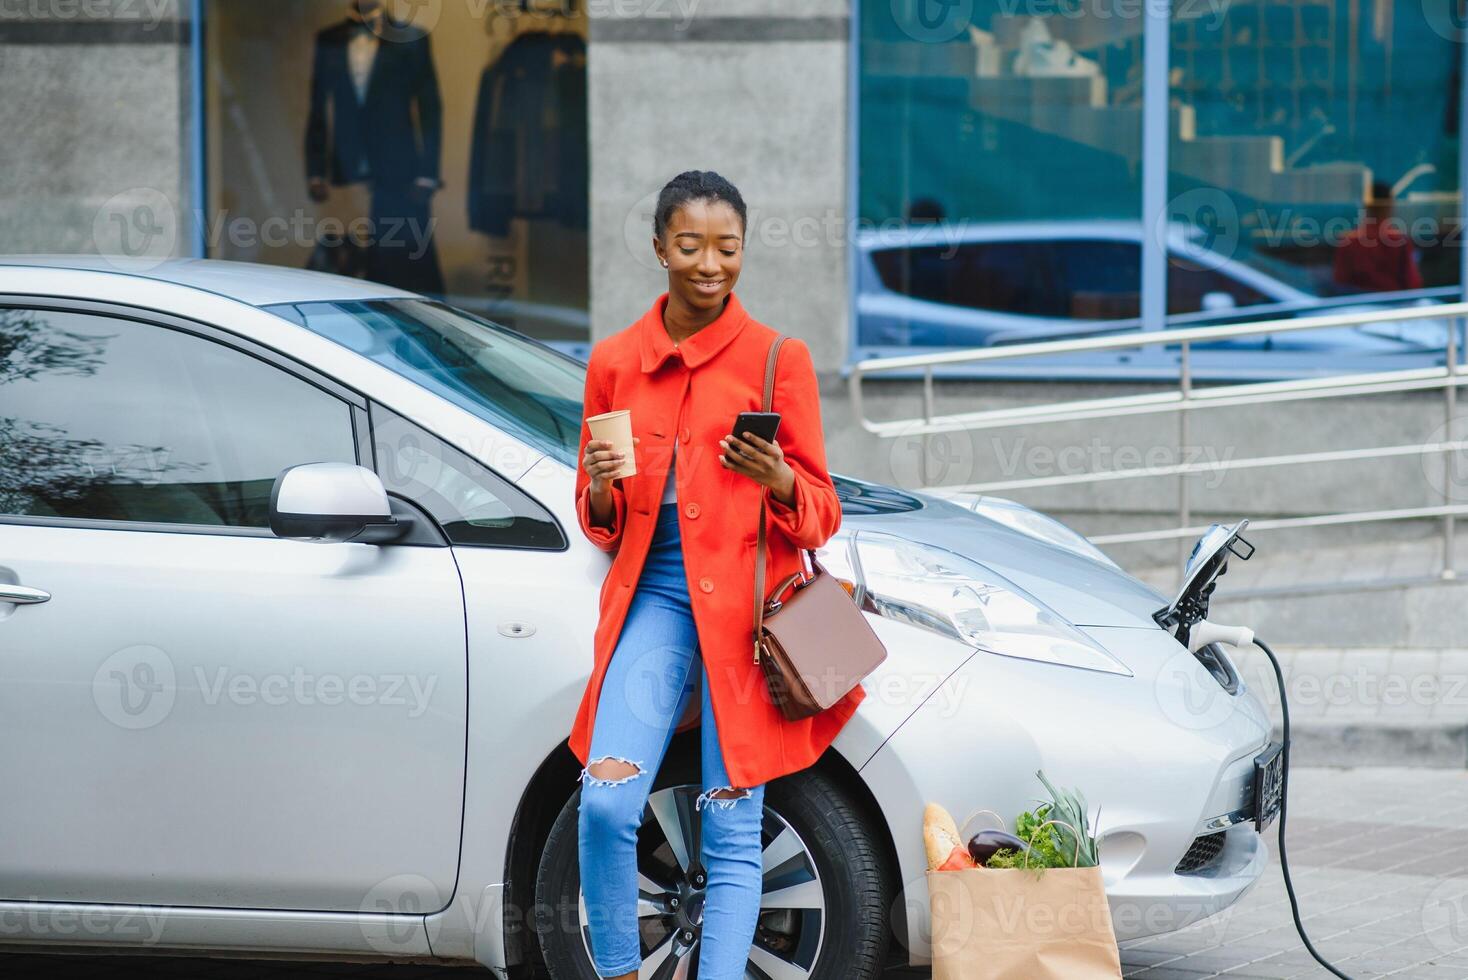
692,392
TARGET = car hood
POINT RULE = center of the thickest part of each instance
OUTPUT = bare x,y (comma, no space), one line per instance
1085,591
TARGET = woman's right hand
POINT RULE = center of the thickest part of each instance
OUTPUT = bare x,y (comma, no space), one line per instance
601,463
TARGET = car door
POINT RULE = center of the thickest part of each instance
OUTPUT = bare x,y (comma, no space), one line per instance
195,712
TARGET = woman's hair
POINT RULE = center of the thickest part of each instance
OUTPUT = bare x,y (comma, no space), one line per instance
695,185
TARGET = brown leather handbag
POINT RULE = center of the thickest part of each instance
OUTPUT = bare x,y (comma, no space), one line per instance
816,645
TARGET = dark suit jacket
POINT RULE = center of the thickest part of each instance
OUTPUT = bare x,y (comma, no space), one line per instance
528,153
339,131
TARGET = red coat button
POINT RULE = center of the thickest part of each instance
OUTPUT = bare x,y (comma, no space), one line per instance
685,435
691,510
706,583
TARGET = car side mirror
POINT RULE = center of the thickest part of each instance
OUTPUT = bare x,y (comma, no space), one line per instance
333,502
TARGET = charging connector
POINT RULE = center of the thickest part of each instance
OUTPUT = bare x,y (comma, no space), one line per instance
1200,635
1203,633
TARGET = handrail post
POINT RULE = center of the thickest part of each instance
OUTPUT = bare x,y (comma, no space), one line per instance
1184,504
1450,458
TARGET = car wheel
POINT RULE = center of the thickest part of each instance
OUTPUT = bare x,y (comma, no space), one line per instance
827,889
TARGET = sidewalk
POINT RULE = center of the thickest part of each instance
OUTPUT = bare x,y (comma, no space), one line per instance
1367,706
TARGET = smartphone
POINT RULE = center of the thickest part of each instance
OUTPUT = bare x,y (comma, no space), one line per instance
762,424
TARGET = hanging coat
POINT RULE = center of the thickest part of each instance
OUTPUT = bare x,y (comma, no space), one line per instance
692,392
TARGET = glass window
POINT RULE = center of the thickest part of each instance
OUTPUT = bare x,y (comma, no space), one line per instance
473,505
1313,160
1194,288
1099,279
1084,279
437,147
528,390
112,419
1317,142
1007,277
1013,140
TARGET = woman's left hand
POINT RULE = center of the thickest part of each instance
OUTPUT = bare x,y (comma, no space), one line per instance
761,461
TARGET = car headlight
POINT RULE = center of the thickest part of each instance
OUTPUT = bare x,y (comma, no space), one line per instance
956,597
1018,517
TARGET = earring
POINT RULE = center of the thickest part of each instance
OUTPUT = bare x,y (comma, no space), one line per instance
665,263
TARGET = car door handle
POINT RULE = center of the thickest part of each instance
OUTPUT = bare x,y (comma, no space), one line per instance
22,595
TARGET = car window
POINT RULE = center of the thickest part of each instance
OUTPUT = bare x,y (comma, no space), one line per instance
106,418
524,388
472,504
1007,277
1188,282
1098,279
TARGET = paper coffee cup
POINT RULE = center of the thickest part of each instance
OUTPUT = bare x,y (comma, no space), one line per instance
616,426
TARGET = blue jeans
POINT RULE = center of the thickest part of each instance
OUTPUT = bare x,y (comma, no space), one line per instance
643,696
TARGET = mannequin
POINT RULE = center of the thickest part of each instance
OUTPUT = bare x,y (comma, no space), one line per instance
375,123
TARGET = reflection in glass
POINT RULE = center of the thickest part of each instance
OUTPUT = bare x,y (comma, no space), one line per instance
473,505
1312,167
437,147
1320,136
1000,179
524,388
111,419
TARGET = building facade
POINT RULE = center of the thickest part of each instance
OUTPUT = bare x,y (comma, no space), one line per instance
920,173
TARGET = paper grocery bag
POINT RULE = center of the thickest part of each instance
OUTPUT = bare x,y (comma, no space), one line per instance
1021,924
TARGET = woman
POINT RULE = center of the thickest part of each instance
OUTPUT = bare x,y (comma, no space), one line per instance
681,587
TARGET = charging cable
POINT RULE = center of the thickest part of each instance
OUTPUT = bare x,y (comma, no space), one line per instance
1202,633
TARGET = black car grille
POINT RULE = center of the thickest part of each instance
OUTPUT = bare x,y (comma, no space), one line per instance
1202,854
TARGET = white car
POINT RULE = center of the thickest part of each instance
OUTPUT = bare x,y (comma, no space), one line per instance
295,614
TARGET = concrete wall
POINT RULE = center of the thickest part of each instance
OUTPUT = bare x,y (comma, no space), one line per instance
756,90
96,117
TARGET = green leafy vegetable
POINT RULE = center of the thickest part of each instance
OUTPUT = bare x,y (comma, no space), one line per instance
1054,846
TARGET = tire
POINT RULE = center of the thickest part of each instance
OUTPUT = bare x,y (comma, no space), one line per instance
829,864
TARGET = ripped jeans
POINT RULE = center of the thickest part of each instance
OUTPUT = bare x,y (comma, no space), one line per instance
643,696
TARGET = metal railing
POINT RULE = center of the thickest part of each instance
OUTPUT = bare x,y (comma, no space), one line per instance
1184,399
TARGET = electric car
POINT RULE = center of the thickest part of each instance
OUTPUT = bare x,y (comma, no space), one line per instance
295,615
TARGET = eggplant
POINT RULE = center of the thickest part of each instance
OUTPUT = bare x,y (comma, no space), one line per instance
981,846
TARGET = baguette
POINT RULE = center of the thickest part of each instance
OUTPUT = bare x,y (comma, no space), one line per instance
940,835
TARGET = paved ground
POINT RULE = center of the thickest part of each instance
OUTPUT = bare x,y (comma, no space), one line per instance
1380,862
1382,885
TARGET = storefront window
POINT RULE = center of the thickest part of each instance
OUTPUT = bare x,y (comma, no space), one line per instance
1315,142
439,148
1000,176
1313,164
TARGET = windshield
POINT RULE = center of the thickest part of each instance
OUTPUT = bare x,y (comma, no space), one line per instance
528,390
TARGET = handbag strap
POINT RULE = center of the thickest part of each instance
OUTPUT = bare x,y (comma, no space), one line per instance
759,561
